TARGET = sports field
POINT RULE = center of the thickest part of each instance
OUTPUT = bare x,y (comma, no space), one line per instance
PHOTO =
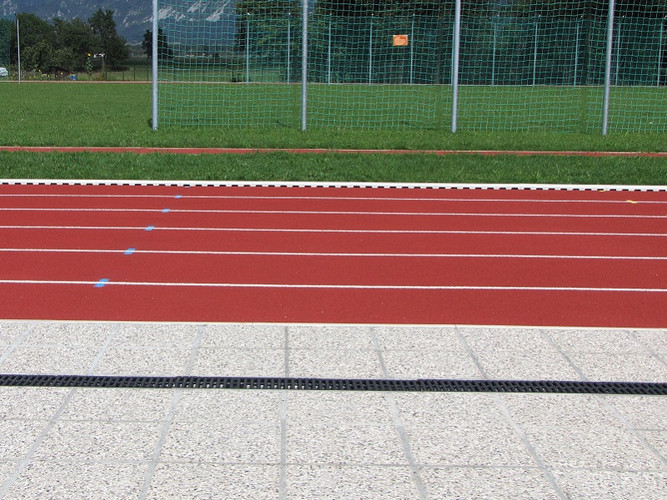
301,325
70,114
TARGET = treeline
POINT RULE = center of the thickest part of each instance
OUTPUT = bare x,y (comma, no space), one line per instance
67,46
519,8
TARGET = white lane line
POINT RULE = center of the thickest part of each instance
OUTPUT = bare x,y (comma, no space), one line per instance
334,254
107,283
327,198
335,212
332,231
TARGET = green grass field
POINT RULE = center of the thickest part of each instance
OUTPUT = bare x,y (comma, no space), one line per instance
79,114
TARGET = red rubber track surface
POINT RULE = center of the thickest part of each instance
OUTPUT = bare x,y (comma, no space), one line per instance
334,255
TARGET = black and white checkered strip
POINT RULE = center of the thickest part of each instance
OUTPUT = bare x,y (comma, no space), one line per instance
357,185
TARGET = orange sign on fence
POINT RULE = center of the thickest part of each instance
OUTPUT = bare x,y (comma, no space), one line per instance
400,40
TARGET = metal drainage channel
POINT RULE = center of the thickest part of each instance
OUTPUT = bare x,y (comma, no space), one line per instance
315,384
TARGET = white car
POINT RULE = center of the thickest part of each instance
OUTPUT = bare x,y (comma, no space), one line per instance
4,72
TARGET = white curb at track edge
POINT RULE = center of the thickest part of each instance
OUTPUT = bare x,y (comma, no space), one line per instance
310,184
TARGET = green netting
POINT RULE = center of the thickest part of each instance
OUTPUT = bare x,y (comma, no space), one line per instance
388,64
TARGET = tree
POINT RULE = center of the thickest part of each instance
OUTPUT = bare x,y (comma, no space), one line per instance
113,46
164,51
264,13
33,30
76,38
6,27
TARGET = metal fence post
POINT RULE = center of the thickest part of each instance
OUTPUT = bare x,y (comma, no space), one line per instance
607,68
370,54
455,64
662,30
304,67
18,45
154,64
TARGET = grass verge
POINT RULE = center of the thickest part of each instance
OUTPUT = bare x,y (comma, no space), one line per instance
338,168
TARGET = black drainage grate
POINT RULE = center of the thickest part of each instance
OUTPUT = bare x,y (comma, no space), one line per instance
320,384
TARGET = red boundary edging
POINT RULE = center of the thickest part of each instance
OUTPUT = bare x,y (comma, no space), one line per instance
214,151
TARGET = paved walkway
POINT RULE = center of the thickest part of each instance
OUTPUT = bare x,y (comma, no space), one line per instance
213,443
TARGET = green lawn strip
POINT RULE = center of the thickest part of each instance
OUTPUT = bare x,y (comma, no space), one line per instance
337,168
74,114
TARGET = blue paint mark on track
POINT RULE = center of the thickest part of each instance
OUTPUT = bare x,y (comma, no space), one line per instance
102,282
130,251
166,210
150,228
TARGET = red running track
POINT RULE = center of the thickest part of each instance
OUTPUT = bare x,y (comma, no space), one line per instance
334,255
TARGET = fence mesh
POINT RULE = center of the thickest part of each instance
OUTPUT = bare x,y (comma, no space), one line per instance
388,64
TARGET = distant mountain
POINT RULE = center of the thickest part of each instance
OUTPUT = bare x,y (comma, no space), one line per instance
133,17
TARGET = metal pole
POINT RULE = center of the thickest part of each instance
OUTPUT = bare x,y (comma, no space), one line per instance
576,53
329,54
154,62
662,27
18,45
247,48
289,37
619,37
304,67
537,23
493,58
412,51
455,64
607,69
370,54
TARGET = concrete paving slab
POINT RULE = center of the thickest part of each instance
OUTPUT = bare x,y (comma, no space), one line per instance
212,480
627,367
239,363
591,447
600,341
331,363
78,480
243,336
657,440
18,437
30,403
56,359
335,407
176,443
231,406
46,334
429,364
561,410
117,405
94,441
156,335
328,337
225,440
332,482
639,412
148,361
461,444
487,482
10,332
612,484
346,443
417,338
655,340
524,364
